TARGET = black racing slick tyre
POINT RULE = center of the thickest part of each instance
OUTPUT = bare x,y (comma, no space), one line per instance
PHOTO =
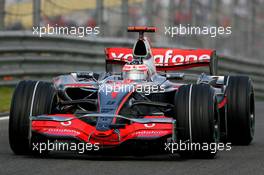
29,98
197,120
240,110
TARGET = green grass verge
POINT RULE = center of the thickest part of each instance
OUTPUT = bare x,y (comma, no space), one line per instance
5,98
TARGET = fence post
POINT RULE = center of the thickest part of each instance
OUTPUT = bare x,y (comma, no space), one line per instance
36,12
99,13
2,14
124,16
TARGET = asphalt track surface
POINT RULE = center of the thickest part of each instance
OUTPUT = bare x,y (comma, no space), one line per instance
240,160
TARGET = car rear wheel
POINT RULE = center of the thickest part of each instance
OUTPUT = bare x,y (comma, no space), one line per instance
240,110
29,98
197,119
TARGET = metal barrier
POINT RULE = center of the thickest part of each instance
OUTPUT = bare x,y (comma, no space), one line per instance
27,56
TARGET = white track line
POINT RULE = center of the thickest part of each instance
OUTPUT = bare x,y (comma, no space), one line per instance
4,118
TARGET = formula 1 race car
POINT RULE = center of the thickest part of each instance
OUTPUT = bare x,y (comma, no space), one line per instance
138,105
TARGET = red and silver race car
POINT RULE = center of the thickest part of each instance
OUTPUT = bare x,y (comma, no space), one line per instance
139,105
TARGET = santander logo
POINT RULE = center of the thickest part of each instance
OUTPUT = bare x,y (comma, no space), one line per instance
165,57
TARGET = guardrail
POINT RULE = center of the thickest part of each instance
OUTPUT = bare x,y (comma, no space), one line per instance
24,56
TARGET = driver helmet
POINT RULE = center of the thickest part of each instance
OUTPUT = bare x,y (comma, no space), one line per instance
135,72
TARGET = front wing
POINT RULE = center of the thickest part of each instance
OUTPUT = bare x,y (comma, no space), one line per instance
61,126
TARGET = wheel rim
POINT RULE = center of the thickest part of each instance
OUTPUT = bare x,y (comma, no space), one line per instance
216,135
252,114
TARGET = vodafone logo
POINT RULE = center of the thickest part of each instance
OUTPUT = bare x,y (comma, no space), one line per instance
170,59
68,123
166,57
149,125
122,56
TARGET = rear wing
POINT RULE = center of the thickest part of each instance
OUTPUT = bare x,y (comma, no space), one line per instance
165,59
141,29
